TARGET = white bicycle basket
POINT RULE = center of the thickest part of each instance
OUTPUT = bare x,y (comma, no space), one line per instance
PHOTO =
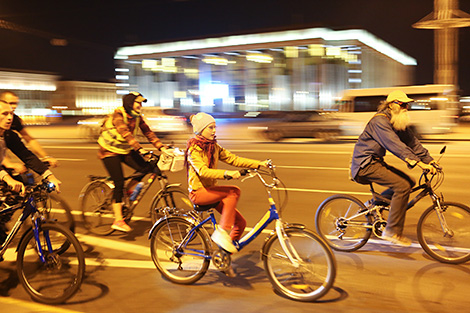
171,160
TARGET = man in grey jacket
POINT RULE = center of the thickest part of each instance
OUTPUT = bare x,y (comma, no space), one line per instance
389,131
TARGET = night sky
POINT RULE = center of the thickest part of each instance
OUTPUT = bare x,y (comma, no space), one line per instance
94,29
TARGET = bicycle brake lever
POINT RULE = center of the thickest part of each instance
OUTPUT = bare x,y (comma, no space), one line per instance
248,176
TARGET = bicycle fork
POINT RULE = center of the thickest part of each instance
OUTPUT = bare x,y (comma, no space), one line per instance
440,215
286,245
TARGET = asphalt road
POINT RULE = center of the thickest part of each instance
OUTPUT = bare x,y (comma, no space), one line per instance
380,277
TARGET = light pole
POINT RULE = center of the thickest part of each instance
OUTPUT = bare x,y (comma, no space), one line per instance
445,20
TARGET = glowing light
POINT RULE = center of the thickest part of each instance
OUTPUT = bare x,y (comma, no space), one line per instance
20,86
215,61
259,57
272,37
316,50
291,52
149,64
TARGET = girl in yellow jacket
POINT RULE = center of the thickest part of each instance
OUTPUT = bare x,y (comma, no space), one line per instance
202,156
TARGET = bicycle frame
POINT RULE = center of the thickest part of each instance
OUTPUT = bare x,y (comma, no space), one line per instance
29,209
426,190
271,215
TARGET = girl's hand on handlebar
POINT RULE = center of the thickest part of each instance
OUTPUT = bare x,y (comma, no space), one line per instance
264,163
232,175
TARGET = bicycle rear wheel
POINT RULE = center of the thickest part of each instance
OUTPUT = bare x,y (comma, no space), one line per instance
182,265
95,204
452,246
334,225
312,277
61,275
174,199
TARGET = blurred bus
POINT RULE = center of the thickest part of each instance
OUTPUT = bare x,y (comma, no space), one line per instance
432,111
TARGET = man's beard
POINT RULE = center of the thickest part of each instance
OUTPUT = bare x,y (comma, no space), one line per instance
400,118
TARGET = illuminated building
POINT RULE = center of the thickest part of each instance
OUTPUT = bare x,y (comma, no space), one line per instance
85,98
44,98
285,70
35,90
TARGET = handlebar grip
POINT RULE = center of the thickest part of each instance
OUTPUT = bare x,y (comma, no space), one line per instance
243,172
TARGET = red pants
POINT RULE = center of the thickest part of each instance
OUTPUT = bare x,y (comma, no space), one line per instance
228,197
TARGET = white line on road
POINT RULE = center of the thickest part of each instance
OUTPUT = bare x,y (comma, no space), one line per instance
327,191
73,160
30,306
314,167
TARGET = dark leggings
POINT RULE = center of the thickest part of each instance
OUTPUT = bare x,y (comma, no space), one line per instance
114,168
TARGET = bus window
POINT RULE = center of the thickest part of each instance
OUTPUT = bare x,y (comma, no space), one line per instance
367,104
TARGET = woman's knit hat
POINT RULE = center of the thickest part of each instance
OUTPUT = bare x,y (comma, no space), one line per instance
201,121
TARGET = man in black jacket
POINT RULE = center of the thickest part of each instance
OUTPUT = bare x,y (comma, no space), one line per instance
9,139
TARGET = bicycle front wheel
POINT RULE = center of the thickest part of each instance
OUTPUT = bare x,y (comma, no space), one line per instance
95,204
170,202
446,236
315,272
59,276
180,257
58,210
336,226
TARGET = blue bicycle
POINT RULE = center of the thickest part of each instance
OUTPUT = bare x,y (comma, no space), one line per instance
50,260
299,264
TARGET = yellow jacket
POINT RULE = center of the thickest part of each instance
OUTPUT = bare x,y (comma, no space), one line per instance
199,173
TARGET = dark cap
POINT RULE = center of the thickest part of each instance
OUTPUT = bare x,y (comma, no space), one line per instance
128,100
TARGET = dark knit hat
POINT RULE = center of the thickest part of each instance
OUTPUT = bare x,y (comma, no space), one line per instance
128,100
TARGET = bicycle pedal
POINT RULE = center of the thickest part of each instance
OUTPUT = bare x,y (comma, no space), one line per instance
229,272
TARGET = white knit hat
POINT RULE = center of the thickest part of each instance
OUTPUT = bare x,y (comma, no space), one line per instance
201,121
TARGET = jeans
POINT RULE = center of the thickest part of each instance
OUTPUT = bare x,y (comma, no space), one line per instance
228,197
399,185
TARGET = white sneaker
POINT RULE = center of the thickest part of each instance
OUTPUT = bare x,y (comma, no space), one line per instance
396,239
223,240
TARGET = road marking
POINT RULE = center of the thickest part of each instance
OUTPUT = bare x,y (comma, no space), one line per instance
32,306
114,244
292,151
327,191
314,167
72,160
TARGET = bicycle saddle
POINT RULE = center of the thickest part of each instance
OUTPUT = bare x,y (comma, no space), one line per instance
205,207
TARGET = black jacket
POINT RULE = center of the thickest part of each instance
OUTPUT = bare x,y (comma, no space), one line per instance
14,143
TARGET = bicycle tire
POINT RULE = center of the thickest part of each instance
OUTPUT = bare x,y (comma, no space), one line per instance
184,266
61,276
60,212
454,249
175,198
315,275
339,234
95,205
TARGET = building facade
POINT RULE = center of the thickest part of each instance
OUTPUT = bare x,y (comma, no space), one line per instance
35,90
287,70
85,98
